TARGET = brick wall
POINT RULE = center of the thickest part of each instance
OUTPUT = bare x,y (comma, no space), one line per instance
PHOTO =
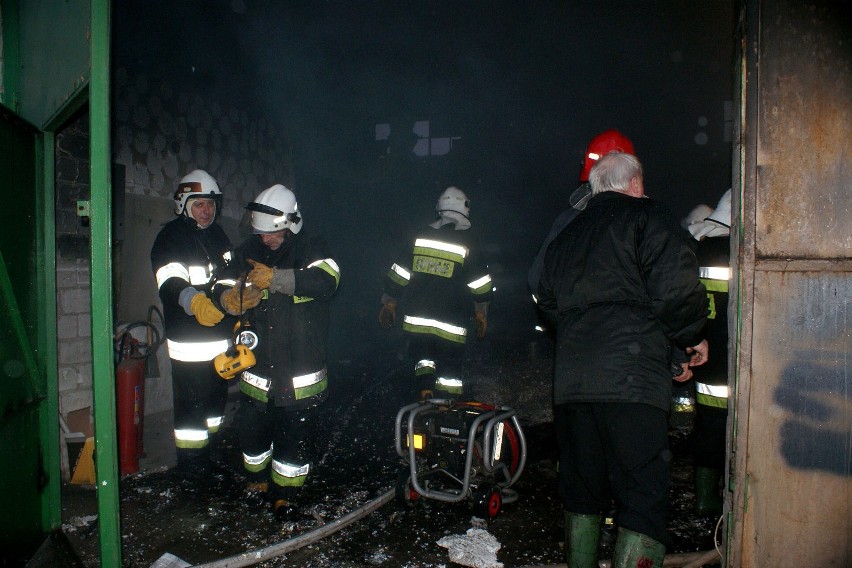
73,300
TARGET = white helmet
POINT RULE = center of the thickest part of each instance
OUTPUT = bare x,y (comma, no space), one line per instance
453,200
275,209
717,224
697,215
722,213
196,183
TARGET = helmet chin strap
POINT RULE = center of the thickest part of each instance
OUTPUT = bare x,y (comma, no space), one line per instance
447,217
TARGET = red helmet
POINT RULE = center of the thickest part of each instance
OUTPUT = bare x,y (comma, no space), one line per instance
607,141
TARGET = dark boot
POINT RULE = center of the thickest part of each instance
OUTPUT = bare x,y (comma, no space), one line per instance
708,502
636,550
193,461
582,537
284,503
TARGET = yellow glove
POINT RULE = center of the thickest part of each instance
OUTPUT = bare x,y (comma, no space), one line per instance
260,276
230,299
205,312
387,315
481,324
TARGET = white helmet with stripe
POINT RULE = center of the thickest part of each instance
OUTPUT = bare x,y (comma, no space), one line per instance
196,183
275,209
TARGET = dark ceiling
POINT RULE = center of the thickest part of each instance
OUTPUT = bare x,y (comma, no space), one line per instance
521,86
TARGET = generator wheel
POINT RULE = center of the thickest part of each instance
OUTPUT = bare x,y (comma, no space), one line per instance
405,492
487,502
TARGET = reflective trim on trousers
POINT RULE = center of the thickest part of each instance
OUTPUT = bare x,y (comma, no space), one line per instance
289,475
214,423
191,439
424,367
257,463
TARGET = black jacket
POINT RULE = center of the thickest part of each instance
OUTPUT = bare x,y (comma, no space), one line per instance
620,283
180,250
292,329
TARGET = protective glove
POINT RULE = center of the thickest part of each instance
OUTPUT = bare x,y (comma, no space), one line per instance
481,324
387,315
230,299
204,310
260,276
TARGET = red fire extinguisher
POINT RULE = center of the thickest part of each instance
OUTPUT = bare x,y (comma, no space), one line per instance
129,392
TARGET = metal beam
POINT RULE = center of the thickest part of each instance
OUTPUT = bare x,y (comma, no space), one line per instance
103,372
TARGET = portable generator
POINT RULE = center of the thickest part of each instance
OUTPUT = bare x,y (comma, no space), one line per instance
455,451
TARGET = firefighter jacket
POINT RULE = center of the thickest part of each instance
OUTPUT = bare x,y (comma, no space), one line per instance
185,256
437,277
620,283
711,379
292,329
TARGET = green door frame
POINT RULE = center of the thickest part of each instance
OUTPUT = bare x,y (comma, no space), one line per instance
96,92
100,211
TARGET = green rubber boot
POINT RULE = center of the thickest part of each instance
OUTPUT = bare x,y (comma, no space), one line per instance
636,550
582,536
708,502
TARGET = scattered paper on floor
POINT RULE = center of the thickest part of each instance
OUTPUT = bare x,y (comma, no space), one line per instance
477,549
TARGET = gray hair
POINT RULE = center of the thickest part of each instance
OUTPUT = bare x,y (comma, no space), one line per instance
613,172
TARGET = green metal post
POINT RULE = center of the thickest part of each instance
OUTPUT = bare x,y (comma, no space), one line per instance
103,372
51,504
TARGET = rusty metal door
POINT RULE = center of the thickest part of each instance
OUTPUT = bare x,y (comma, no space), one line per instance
792,456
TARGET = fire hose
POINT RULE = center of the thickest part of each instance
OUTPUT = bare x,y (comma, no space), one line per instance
251,557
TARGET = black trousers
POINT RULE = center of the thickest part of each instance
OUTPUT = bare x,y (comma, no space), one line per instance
710,444
287,431
447,355
198,393
615,451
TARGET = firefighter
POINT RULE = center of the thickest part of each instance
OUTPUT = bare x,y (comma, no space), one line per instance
441,280
607,141
190,260
281,393
711,380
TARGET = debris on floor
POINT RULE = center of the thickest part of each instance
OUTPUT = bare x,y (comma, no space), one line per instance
477,548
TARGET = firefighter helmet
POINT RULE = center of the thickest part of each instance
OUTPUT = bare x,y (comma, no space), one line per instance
196,183
722,213
697,215
607,141
275,209
453,200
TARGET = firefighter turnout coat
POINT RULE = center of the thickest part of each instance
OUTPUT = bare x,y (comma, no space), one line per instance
711,379
437,277
185,256
292,329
